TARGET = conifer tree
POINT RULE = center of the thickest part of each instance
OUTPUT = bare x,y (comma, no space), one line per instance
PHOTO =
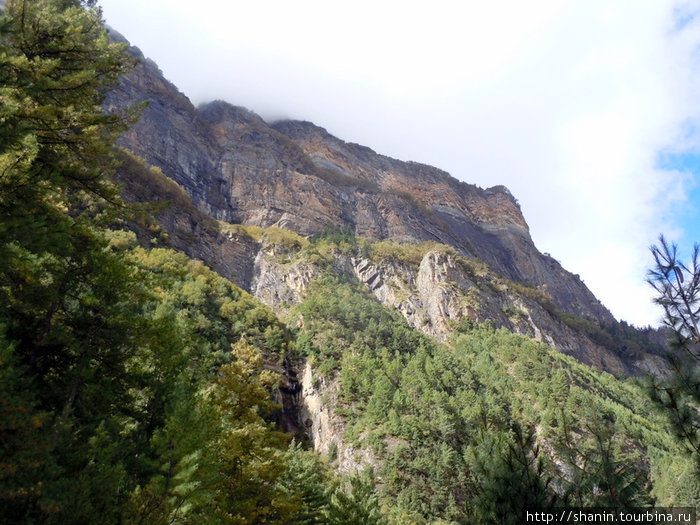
511,478
678,288
356,504
103,367
56,64
598,470
305,482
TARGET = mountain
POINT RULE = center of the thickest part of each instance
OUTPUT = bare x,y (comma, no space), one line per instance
238,169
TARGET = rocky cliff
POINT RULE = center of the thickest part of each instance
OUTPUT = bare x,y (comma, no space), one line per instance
238,169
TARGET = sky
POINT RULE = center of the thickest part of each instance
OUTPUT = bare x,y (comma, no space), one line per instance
587,110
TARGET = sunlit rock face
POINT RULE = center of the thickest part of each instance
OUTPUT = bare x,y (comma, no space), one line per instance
237,168
295,175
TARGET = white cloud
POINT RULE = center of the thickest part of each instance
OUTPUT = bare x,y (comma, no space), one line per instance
567,103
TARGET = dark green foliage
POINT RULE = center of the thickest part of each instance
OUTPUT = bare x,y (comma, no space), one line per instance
306,481
24,446
119,398
118,381
391,382
355,503
512,476
350,317
55,64
678,288
602,472
68,307
135,384
676,480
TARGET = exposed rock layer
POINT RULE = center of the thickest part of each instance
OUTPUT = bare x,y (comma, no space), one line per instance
234,167
295,175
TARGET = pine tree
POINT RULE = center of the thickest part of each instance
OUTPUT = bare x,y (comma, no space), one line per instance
597,469
511,478
115,406
56,64
355,504
305,483
678,288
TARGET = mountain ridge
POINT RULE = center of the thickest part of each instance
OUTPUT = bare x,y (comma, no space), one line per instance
295,175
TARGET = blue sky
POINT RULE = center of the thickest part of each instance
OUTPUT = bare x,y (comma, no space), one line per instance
580,107
687,214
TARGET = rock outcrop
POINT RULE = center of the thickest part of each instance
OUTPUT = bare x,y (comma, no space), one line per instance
325,428
443,290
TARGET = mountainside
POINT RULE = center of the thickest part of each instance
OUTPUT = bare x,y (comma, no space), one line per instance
294,175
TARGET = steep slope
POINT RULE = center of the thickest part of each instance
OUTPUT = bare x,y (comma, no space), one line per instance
295,175
238,169
434,287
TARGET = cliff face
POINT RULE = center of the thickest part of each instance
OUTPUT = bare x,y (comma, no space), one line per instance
295,175
232,167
